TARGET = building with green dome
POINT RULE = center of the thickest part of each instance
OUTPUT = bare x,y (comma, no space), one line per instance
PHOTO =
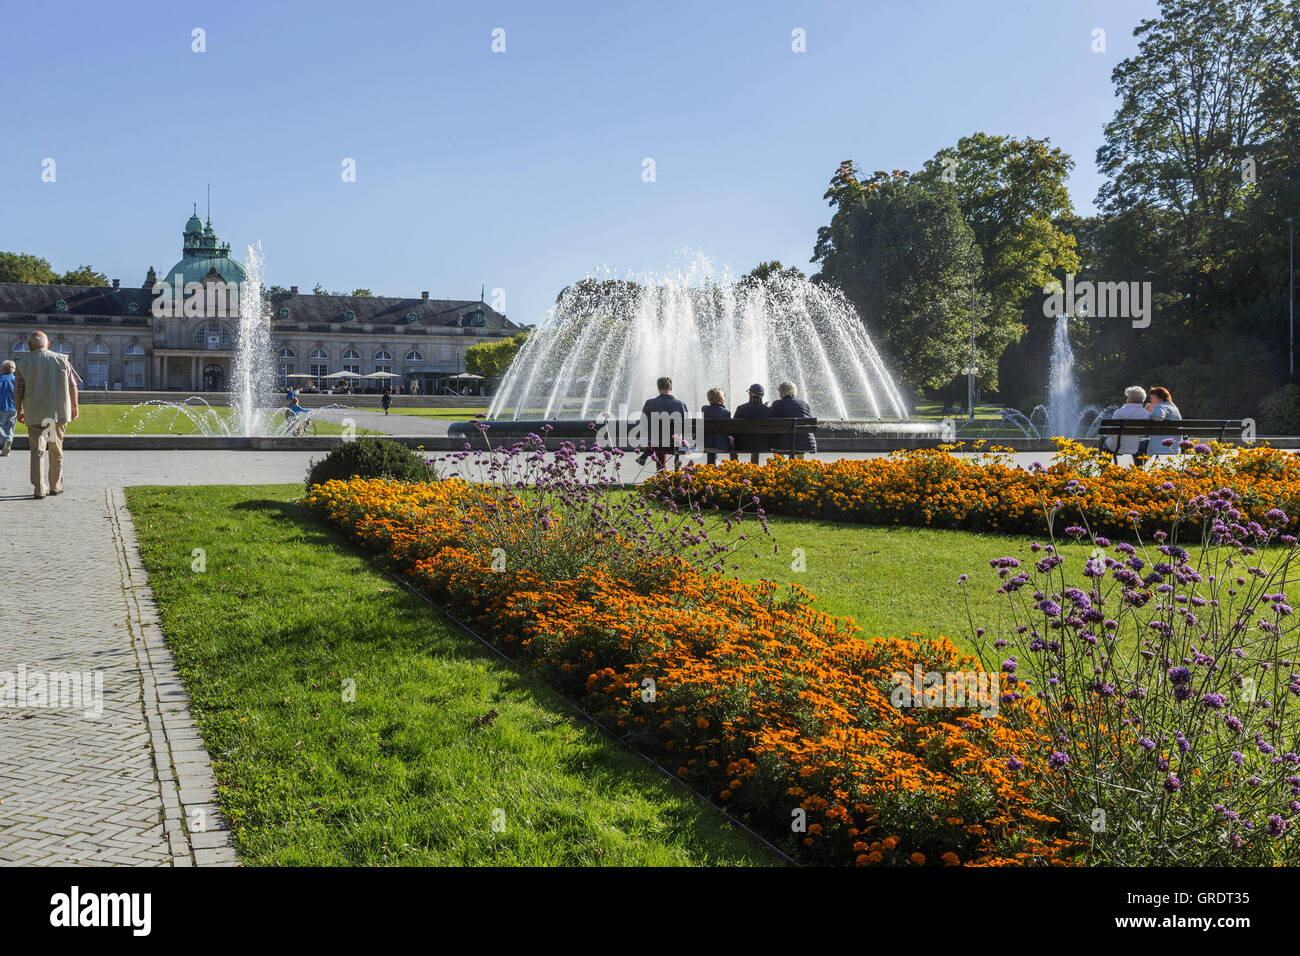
116,341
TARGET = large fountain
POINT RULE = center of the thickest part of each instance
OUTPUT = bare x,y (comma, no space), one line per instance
1064,415
252,374
600,349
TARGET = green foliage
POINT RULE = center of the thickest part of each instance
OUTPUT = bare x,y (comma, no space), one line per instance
1279,413
491,359
23,267
371,458
905,258
768,270
84,275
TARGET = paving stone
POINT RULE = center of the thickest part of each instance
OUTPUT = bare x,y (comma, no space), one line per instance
77,790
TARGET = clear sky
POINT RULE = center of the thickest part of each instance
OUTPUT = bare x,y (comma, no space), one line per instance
519,170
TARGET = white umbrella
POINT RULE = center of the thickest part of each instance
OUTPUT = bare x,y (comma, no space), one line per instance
381,375
343,375
467,375
300,375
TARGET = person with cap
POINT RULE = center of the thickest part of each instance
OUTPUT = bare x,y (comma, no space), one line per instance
754,408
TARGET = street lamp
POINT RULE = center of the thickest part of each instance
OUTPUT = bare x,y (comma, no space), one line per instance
970,372
1290,221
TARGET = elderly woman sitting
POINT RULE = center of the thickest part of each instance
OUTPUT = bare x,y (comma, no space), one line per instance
1134,398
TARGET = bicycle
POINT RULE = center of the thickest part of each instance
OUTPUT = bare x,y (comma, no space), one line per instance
300,426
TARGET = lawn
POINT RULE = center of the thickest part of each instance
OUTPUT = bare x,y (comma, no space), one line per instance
160,420
447,414
442,739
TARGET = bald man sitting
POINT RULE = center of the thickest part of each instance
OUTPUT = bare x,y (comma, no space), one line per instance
46,396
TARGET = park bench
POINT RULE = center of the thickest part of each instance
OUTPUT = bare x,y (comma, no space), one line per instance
781,431
1203,428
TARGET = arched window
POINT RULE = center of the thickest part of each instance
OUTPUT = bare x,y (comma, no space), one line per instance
352,354
352,361
383,361
21,347
414,357
63,348
212,336
286,353
133,367
318,366
383,356
97,365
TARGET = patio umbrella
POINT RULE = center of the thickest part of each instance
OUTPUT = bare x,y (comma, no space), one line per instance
343,375
381,375
467,375
300,375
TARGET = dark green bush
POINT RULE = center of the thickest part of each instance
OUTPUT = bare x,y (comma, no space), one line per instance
1279,414
371,458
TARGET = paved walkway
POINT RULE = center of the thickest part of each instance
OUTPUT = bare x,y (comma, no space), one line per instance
109,770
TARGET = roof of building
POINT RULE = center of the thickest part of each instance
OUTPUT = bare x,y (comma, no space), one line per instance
200,253
76,299
385,310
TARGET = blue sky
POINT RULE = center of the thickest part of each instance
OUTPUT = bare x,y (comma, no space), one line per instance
519,170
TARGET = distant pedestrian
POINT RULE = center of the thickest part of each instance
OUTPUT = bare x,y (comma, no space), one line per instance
46,398
665,417
717,409
754,408
291,395
789,405
387,400
8,410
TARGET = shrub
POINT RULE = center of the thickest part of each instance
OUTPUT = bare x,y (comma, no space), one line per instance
1279,414
1169,687
370,458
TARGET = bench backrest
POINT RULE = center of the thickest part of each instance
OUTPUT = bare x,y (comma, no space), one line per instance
1223,428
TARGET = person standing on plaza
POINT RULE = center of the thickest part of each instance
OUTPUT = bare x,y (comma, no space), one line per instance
387,400
46,400
754,408
8,410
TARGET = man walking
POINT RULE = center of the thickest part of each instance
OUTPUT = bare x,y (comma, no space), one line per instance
8,410
46,399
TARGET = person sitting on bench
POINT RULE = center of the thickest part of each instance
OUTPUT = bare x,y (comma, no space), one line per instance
789,405
1133,408
1162,408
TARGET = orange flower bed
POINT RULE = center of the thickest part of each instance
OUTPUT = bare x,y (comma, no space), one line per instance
935,488
777,711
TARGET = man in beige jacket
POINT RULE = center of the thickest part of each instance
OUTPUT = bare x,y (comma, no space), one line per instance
46,396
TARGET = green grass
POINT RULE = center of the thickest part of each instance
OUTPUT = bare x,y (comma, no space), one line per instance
892,581
159,420
448,414
285,613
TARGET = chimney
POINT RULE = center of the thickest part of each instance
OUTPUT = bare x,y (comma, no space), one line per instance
293,290
117,283
424,296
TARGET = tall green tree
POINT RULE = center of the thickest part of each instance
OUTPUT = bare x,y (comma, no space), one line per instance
83,275
903,255
24,267
1013,195
492,359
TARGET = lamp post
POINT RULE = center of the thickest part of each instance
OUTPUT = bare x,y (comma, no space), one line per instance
1290,221
971,371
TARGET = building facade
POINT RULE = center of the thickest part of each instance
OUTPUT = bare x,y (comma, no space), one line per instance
116,339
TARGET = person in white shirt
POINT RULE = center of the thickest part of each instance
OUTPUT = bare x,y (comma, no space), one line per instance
1134,398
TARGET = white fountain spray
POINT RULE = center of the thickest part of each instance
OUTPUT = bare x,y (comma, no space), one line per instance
252,375
604,343
1064,415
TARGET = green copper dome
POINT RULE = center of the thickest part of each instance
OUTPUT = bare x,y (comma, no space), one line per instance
202,253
